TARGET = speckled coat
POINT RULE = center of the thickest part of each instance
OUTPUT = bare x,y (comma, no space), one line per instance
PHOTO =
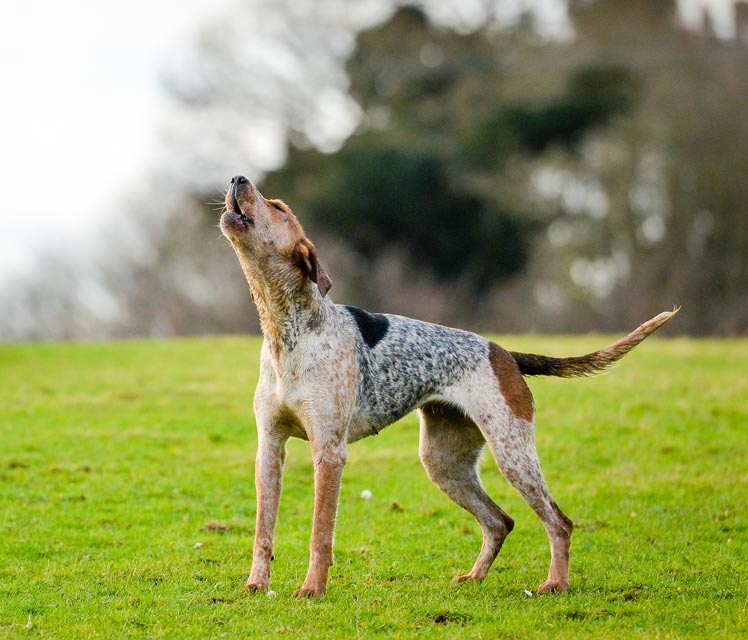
333,374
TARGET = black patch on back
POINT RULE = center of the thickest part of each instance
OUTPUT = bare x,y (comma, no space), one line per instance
373,326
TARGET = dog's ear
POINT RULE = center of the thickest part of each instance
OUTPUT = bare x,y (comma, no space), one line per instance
306,255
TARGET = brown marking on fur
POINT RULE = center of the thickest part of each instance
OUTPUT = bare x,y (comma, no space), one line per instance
327,475
278,204
278,261
512,384
306,255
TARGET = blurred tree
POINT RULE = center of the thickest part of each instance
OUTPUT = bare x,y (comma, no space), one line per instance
380,194
436,124
465,170
655,207
594,95
624,146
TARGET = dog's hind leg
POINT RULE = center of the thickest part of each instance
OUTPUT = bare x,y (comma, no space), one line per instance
513,447
503,409
450,449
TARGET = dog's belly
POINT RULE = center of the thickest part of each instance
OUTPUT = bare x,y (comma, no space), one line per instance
375,411
362,427
369,422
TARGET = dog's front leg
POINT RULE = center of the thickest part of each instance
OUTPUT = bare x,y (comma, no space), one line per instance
271,453
328,471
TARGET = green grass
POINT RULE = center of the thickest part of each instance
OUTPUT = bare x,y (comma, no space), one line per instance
114,457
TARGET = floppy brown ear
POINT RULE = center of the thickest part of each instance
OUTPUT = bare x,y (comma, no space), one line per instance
307,256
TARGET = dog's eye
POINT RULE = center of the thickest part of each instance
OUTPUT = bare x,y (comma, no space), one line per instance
277,206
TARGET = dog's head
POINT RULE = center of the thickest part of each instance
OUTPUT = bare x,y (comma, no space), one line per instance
265,232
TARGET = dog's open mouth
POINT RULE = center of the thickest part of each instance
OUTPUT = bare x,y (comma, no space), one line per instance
237,210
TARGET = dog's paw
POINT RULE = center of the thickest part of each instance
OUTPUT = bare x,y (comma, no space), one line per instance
259,587
468,577
308,592
553,586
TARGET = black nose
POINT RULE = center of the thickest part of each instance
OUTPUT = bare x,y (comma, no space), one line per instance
238,180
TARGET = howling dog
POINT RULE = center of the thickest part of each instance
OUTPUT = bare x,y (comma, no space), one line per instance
333,374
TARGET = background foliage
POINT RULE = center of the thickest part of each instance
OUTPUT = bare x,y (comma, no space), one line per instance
449,165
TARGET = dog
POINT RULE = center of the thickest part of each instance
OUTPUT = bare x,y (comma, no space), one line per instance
333,374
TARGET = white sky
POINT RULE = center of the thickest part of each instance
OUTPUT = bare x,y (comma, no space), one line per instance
80,107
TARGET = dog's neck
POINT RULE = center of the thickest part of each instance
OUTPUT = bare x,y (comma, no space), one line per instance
288,303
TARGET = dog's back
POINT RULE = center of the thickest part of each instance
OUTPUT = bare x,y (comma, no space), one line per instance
404,363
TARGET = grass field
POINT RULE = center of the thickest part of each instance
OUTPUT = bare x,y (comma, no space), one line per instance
127,496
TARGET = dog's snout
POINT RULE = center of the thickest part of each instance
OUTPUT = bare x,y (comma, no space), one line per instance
239,181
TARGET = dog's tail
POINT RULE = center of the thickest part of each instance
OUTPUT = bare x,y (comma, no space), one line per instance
535,365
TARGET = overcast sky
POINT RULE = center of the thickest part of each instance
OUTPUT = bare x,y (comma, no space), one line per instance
80,110
81,107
